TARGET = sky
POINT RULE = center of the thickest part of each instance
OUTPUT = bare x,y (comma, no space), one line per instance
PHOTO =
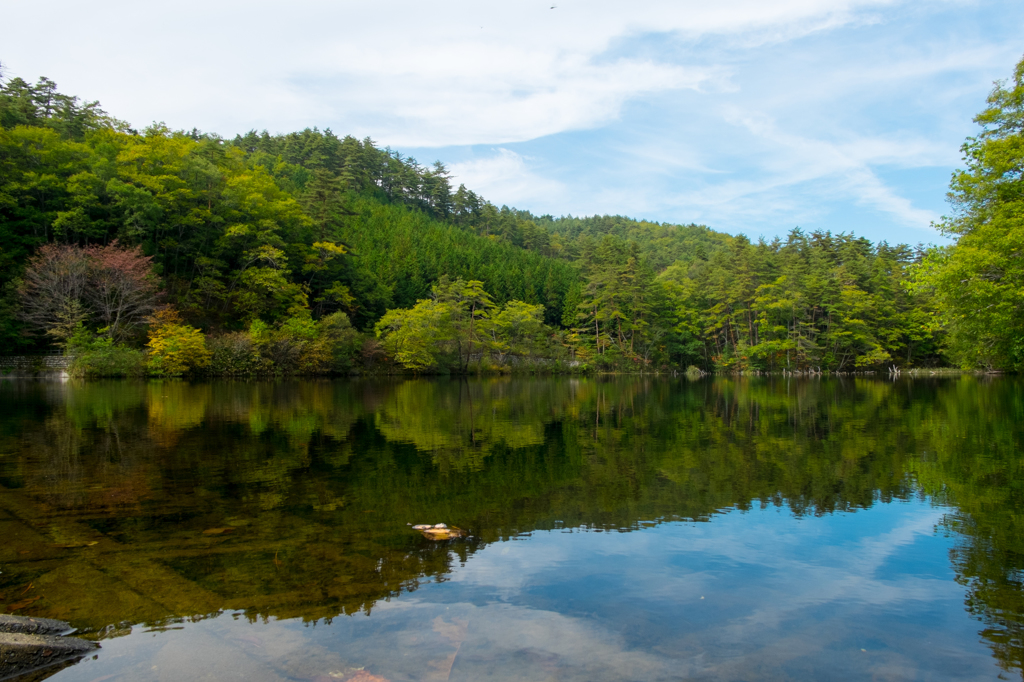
747,116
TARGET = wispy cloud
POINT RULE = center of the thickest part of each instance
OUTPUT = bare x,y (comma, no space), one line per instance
409,73
747,115
792,160
506,174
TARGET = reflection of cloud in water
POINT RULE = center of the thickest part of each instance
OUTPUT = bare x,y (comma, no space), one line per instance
510,566
514,642
807,559
757,595
812,562
745,594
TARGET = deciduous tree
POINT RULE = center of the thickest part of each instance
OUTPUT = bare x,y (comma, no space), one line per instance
979,281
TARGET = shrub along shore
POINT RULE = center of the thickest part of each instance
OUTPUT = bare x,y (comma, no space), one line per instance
458,330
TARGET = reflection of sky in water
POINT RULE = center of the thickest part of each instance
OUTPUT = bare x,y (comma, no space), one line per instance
753,595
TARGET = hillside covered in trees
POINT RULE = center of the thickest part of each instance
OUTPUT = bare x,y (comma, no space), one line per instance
175,252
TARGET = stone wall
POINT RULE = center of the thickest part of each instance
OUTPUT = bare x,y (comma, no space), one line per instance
28,365
517,360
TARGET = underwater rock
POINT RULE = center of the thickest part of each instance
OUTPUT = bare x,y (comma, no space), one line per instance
439,531
34,626
363,676
21,653
73,545
445,533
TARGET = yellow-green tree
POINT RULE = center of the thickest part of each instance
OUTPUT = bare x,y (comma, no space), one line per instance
518,330
414,337
175,348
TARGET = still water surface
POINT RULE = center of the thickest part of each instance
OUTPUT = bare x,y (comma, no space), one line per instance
619,529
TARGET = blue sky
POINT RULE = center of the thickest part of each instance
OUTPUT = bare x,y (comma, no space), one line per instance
743,115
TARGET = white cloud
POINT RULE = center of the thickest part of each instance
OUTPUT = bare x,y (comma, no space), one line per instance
746,115
506,179
787,160
409,73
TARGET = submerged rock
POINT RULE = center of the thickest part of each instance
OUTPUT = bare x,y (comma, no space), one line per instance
363,676
34,626
21,653
445,533
439,531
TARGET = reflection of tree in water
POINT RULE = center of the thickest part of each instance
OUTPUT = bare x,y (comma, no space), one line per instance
174,407
974,463
458,422
68,456
316,481
992,572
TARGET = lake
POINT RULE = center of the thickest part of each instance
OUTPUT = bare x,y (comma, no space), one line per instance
615,529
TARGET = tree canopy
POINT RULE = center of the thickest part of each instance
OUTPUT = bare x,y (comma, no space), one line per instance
274,229
978,282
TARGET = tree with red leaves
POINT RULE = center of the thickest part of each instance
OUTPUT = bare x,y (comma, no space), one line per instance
66,285
53,290
122,288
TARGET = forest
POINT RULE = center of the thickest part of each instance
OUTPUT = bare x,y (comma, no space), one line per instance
168,252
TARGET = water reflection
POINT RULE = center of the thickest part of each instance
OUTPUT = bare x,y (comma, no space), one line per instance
305,490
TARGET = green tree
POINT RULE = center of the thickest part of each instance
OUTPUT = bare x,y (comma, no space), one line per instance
469,309
414,337
518,330
978,282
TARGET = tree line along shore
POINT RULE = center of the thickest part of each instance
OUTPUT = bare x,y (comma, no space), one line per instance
170,253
